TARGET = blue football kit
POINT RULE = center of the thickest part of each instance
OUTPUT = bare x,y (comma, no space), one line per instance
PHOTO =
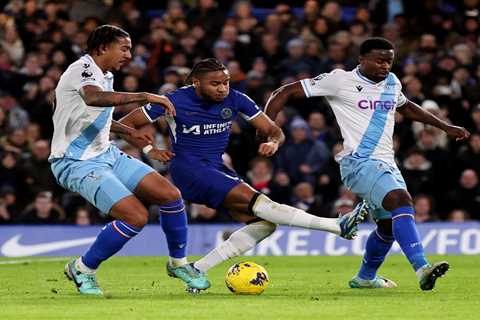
199,133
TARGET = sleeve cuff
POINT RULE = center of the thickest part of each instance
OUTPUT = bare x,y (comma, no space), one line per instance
244,116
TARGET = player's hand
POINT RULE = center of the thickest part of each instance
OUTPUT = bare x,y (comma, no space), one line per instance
460,133
268,149
142,136
163,101
161,155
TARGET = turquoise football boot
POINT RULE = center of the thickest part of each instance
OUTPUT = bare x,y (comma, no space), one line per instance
194,278
349,222
86,283
431,273
377,283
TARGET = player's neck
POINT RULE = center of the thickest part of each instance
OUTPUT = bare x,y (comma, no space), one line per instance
360,70
101,62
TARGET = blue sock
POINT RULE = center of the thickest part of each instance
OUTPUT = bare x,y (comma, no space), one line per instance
109,241
376,249
174,224
406,234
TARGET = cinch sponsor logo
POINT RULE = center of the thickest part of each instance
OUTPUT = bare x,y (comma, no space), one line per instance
384,105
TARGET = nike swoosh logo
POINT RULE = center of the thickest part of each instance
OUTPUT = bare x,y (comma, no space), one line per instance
13,248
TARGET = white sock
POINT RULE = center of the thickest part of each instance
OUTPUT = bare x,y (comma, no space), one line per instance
177,262
80,266
290,216
419,272
238,243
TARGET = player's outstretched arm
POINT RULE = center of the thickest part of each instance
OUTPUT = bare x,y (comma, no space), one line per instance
281,96
267,128
414,112
94,96
134,137
137,119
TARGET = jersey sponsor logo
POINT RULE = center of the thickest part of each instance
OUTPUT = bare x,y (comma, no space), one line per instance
383,105
193,129
207,128
226,113
87,74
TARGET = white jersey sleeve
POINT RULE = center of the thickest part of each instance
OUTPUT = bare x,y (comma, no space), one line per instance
82,74
401,100
324,84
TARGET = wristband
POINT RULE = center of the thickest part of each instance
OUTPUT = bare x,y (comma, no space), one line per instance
147,148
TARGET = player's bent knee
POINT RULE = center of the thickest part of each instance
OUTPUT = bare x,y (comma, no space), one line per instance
172,194
139,219
396,199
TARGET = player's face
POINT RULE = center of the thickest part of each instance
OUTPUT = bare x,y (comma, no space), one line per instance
377,64
118,53
214,85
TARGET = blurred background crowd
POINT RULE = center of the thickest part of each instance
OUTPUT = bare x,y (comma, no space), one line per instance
264,44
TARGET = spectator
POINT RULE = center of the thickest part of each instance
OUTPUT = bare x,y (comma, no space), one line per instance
458,216
82,217
423,206
42,211
306,200
467,195
301,157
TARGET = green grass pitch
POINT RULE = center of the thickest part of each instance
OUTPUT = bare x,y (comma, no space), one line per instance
300,288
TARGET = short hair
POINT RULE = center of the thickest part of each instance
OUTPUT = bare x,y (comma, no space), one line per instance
104,35
375,44
204,66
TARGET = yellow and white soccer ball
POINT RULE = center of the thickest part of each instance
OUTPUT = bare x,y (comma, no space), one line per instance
247,278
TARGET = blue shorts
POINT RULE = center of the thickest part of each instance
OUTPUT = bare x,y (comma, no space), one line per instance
203,182
371,180
103,180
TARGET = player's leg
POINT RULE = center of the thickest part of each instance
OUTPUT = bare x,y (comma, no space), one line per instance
150,186
378,244
246,200
156,189
95,181
130,217
239,242
400,204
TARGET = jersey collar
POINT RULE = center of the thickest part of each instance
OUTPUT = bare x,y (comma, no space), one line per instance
361,76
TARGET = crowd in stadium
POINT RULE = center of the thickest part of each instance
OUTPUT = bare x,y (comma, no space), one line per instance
437,59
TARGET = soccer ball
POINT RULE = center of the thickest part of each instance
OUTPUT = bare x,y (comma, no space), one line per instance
246,278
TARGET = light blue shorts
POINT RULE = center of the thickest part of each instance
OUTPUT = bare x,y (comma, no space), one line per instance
103,180
371,180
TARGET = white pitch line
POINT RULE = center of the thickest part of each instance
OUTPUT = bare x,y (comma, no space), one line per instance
32,261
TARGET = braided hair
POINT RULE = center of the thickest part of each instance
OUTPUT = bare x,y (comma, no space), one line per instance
204,66
104,35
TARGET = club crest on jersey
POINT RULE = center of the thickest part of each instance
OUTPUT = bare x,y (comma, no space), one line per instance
226,113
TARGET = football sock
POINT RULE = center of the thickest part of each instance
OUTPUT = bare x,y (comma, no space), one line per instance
376,249
174,224
406,234
109,241
282,214
238,243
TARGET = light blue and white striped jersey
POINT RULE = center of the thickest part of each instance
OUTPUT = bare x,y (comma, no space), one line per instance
80,131
365,110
